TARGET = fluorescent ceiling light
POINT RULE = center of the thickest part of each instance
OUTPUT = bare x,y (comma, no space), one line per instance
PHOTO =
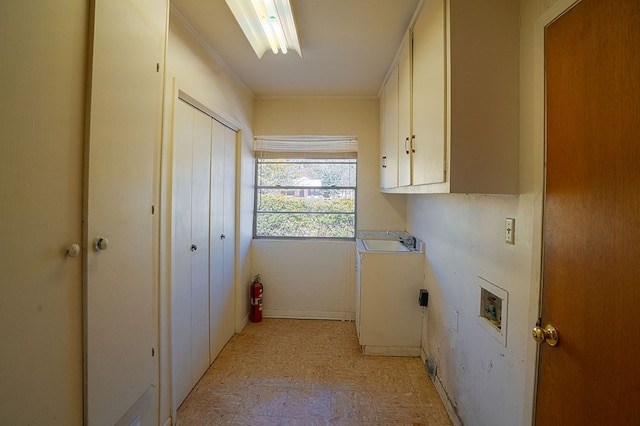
267,24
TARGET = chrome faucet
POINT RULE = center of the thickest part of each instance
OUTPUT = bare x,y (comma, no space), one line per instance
408,241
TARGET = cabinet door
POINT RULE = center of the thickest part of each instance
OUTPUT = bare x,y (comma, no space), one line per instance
429,95
404,113
389,133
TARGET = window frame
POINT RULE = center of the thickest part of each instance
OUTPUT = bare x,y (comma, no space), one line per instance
296,158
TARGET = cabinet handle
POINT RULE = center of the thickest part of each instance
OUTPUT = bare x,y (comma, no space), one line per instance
73,250
194,247
222,236
384,162
406,142
413,147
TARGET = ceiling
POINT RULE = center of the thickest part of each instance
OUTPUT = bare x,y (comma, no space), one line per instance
347,45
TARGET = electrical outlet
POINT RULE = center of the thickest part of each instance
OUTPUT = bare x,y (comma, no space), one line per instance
510,231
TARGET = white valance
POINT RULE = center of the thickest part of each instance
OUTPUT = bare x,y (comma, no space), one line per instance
271,146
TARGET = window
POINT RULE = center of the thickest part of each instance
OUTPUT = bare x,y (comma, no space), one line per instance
305,195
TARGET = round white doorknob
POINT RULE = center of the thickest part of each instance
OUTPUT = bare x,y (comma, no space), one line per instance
102,243
73,250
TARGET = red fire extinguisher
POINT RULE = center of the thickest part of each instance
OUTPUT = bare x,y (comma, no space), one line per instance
255,315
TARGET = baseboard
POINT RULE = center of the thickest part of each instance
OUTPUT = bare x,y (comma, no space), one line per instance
281,313
144,411
408,351
243,323
167,422
448,406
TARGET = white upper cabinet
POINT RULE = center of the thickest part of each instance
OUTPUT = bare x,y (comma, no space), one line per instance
458,100
389,132
428,143
404,112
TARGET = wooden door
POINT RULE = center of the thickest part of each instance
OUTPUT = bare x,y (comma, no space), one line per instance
121,183
591,290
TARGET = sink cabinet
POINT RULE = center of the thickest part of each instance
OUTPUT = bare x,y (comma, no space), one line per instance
388,317
458,109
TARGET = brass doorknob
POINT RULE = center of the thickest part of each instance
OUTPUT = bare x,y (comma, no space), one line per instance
548,334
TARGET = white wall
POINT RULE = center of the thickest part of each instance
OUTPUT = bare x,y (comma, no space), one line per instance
322,285
191,67
486,382
274,260
464,236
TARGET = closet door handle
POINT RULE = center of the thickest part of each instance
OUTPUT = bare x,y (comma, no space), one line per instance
413,144
406,142
194,247
222,237
101,244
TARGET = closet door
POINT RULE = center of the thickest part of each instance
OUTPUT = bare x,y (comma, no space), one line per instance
200,244
190,248
229,256
222,261
123,127
181,252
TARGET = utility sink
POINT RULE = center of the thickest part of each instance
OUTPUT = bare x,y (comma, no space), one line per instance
384,245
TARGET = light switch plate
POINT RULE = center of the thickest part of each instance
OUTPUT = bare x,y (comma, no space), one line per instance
510,231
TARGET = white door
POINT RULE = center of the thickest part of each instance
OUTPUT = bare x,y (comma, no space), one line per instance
190,248
230,150
123,141
222,258
42,120
200,236
181,251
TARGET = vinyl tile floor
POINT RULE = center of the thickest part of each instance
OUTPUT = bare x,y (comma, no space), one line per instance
307,373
